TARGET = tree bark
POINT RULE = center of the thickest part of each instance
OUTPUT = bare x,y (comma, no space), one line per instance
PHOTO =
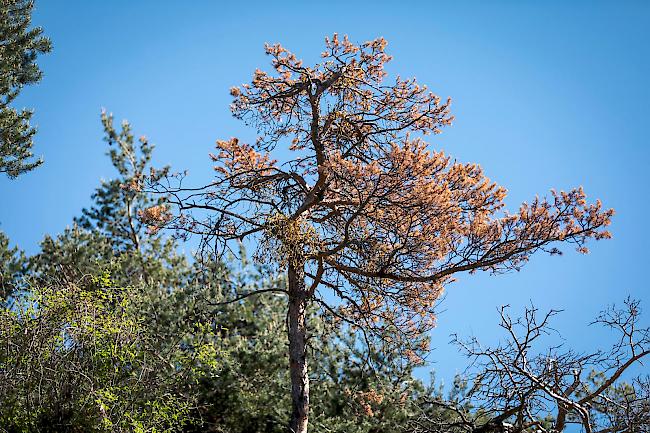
298,299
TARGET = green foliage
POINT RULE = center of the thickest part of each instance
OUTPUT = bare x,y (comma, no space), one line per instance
116,202
80,357
19,47
108,233
230,358
248,393
77,252
13,265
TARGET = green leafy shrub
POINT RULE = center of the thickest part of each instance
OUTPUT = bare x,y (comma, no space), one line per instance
80,358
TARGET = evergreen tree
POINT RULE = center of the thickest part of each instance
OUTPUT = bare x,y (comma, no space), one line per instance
12,266
20,45
109,233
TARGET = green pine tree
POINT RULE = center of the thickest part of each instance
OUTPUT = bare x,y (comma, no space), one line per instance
13,265
20,45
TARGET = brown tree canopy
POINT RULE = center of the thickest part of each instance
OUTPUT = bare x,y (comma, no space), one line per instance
375,215
359,205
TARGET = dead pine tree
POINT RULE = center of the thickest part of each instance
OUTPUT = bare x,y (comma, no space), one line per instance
356,207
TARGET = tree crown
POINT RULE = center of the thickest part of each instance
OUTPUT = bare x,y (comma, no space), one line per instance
360,202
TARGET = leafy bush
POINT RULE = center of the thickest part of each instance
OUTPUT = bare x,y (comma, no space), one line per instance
80,358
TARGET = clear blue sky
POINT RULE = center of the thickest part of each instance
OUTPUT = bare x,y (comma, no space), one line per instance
546,95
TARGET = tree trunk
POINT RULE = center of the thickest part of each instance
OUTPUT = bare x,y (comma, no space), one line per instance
298,299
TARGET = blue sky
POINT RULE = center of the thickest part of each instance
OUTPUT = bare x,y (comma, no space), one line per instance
546,95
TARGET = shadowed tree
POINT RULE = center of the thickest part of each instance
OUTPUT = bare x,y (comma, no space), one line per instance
20,45
13,265
367,221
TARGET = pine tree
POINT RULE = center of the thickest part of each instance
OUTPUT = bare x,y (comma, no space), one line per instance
360,209
20,46
13,265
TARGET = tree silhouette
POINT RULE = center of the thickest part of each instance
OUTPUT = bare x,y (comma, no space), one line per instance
521,386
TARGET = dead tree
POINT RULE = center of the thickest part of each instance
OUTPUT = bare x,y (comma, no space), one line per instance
516,388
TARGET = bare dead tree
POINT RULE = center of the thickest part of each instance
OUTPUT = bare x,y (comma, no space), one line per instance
521,387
